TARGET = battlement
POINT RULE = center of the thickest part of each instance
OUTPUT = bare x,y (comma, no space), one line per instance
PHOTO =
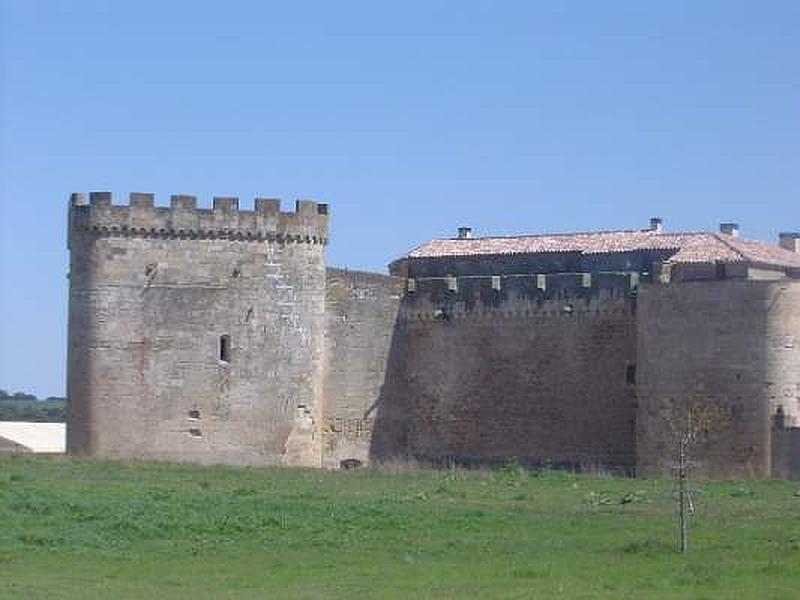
523,295
183,219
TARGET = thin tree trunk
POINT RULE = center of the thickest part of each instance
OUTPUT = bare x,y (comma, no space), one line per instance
683,523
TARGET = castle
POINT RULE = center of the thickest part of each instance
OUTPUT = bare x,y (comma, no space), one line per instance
220,336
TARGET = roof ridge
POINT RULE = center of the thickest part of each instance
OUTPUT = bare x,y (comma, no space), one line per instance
730,246
561,234
572,234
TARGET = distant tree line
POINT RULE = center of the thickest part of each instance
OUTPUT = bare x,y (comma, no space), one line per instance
20,406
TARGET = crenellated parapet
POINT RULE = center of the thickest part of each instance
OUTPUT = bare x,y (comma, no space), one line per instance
562,295
183,219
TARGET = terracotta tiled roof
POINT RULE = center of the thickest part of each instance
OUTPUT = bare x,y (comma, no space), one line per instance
698,247
761,252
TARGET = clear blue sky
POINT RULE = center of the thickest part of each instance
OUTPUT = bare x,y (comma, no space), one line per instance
409,118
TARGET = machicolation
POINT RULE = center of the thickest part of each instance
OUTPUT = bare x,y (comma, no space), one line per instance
182,219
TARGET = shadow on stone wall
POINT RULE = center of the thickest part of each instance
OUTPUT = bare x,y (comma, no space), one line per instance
390,412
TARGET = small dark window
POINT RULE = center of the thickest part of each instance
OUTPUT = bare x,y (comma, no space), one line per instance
630,373
225,348
780,419
195,433
194,414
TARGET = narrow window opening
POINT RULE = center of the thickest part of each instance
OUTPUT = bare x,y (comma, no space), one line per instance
630,373
780,419
196,433
225,348
194,414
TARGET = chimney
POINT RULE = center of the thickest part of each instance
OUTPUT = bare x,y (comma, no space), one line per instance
789,240
731,229
657,224
465,233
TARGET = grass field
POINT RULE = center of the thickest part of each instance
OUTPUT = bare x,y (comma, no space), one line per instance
86,529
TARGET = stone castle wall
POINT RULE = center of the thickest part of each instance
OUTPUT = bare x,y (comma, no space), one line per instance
219,336
537,368
152,293
731,348
364,367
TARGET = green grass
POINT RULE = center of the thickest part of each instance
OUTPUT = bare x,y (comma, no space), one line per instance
90,529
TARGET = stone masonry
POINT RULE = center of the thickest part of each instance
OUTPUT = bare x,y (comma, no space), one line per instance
220,336
196,334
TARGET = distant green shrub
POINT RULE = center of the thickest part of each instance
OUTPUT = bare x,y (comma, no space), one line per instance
20,406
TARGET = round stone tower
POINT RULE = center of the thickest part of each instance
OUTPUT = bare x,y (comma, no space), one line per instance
729,349
196,334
